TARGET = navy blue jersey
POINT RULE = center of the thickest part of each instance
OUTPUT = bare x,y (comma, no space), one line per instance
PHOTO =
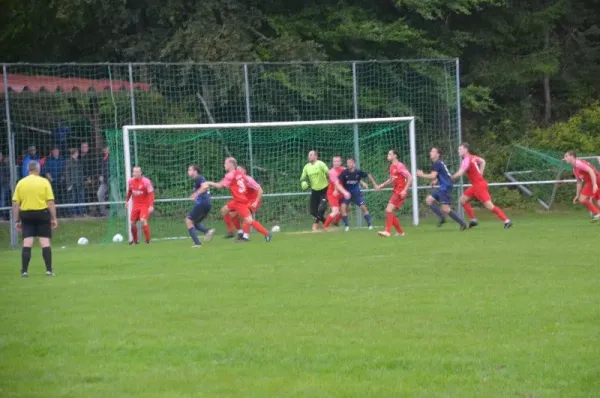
351,179
443,175
198,181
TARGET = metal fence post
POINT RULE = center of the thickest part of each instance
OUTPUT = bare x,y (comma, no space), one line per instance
461,187
12,159
355,128
248,119
132,97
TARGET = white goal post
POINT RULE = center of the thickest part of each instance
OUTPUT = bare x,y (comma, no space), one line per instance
129,130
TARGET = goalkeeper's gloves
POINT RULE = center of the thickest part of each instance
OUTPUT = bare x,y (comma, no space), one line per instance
304,185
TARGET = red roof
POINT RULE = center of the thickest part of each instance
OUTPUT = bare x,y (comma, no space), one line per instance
51,84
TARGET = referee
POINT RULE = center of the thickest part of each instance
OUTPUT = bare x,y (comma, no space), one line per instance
33,208
315,175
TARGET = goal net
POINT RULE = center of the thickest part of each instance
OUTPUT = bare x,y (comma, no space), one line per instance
541,175
273,153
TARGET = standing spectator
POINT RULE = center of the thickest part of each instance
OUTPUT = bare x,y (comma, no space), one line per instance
74,179
89,172
103,189
30,157
4,186
54,171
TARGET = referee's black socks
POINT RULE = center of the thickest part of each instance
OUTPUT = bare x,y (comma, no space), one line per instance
25,258
47,254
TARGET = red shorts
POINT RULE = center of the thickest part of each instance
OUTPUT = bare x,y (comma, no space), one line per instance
588,191
479,192
254,209
396,200
240,208
334,201
140,213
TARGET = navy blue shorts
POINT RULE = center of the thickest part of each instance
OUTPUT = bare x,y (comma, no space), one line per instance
442,196
199,212
356,198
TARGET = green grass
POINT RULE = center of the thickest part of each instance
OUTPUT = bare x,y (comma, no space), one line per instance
438,313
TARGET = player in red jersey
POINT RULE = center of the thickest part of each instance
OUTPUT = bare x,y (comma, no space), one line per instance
335,191
587,183
237,183
474,166
255,194
140,190
401,178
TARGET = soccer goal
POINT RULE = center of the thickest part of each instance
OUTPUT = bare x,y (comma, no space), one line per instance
274,153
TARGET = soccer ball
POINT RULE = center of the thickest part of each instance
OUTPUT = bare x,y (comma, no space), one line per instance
82,241
275,228
118,238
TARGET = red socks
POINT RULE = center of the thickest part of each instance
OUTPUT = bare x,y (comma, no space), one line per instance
134,232
256,225
590,206
392,220
337,218
236,222
229,223
146,229
498,212
328,221
469,210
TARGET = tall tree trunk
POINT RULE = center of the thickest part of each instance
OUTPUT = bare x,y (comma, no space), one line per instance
546,82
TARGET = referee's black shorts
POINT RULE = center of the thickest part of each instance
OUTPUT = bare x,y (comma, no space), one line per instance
36,224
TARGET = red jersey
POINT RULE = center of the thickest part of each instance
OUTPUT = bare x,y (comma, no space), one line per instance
237,182
399,175
582,174
470,165
334,175
142,192
253,188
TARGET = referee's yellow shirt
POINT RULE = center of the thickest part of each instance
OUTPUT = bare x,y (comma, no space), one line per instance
33,193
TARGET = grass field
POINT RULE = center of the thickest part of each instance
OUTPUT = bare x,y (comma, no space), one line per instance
438,313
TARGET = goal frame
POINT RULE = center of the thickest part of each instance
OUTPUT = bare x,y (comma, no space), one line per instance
128,129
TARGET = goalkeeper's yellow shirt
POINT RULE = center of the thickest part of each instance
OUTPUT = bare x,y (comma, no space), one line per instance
316,175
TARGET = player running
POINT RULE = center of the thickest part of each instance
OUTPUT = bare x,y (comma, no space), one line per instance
236,181
141,193
202,206
442,195
255,194
401,178
335,191
474,167
351,179
587,183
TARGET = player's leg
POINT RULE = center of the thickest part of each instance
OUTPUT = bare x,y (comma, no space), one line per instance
484,197
334,202
322,207
237,224
464,200
225,210
28,230
366,215
586,201
432,201
144,220
44,234
391,220
445,200
344,211
243,211
208,233
190,223
135,217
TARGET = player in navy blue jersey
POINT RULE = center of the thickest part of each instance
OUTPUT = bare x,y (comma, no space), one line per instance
443,194
351,180
202,206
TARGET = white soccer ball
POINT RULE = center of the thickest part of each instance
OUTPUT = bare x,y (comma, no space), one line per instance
118,238
275,228
82,241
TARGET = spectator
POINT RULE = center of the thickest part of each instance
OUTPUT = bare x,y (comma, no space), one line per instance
30,157
89,172
103,180
74,179
61,134
54,171
4,186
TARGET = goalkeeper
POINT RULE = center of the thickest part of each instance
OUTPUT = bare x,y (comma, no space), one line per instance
315,174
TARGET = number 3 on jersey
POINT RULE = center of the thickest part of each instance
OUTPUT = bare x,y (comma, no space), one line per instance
241,185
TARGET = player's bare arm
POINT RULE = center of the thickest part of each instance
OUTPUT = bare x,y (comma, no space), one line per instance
339,188
481,163
458,174
52,210
409,181
430,176
364,184
127,197
578,191
203,188
372,179
384,184
217,185
15,210
592,175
